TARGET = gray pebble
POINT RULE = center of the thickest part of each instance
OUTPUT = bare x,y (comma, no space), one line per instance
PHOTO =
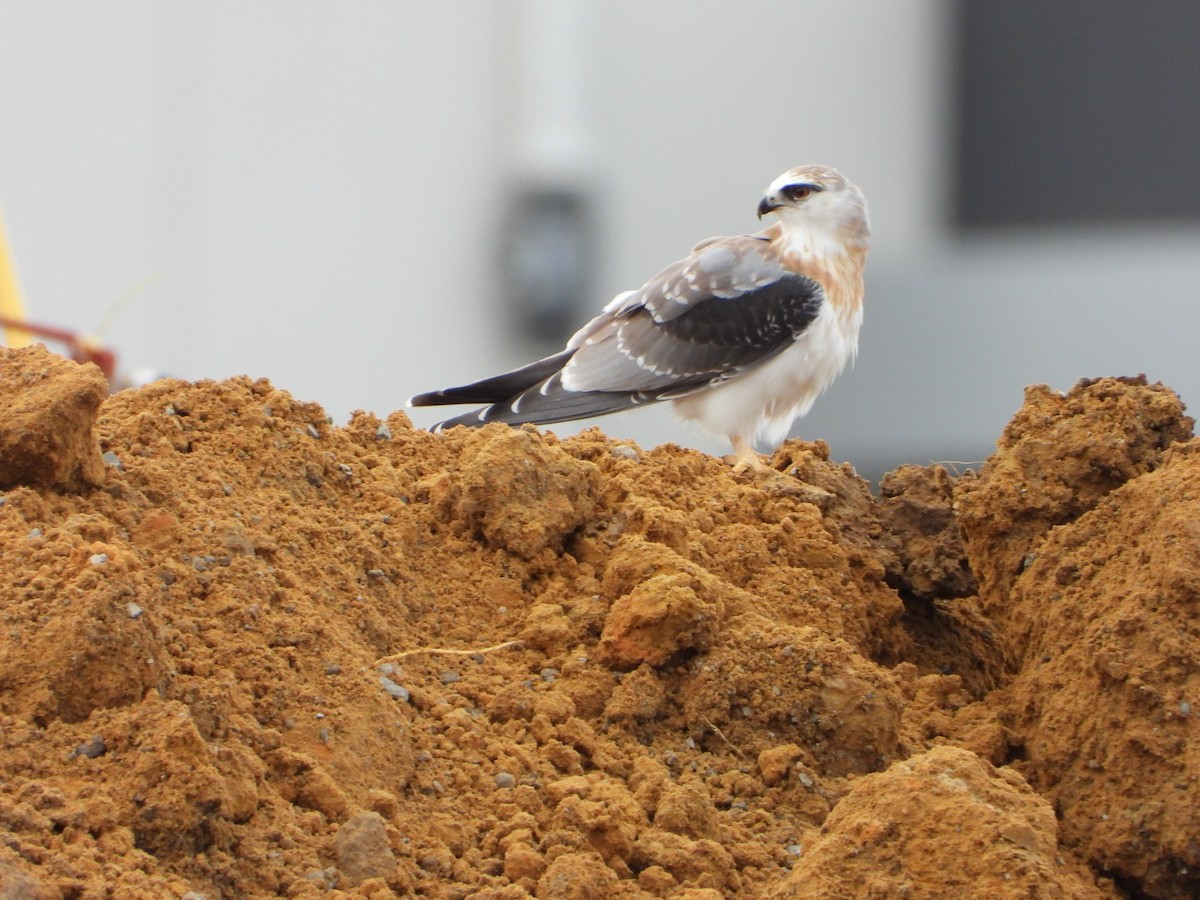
449,677
312,431
324,878
35,532
548,674
135,611
98,559
794,849
111,459
1185,707
91,748
332,668
624,451
383,433
505,780
397,692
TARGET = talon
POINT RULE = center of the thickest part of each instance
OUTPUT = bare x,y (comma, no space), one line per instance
745,457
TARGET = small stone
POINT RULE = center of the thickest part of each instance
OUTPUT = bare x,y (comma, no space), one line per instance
135,611
35,532
325,879
505,780
383,433
1185,708
387,668
624,451
397,692
312,431
111,459
332,668
91,748
794,849
98,559
548,675
363,849
449,677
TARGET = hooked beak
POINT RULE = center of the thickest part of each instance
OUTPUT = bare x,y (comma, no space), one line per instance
766,205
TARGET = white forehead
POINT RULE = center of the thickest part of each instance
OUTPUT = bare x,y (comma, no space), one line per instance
822,176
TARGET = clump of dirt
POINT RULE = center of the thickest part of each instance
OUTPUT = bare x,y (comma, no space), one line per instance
252,654
48,406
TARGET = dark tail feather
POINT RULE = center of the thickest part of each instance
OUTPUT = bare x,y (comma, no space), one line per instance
548,405
497,388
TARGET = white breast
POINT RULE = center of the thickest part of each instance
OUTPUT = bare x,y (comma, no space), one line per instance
762,404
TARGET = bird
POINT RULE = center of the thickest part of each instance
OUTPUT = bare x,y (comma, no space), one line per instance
741,336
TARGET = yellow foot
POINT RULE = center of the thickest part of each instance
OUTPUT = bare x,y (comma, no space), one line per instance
745,457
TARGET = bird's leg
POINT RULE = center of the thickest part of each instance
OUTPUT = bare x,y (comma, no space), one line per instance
744,456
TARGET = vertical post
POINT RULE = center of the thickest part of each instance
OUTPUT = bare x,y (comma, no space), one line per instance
548,240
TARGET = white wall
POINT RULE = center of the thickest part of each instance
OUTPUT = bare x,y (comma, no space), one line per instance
317,190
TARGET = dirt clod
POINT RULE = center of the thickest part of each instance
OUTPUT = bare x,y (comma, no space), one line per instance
48,409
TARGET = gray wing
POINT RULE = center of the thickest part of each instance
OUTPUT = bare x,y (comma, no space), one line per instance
728,307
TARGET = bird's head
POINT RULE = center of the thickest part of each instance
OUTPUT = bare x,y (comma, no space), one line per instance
818,200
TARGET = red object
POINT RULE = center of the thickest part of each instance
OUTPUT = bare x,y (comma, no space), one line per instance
80,348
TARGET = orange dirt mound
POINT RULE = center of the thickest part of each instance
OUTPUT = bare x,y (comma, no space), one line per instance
246,653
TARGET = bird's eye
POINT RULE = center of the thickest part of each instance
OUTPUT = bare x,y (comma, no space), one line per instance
797,192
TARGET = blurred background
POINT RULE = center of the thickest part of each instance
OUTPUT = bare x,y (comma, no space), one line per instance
366,200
